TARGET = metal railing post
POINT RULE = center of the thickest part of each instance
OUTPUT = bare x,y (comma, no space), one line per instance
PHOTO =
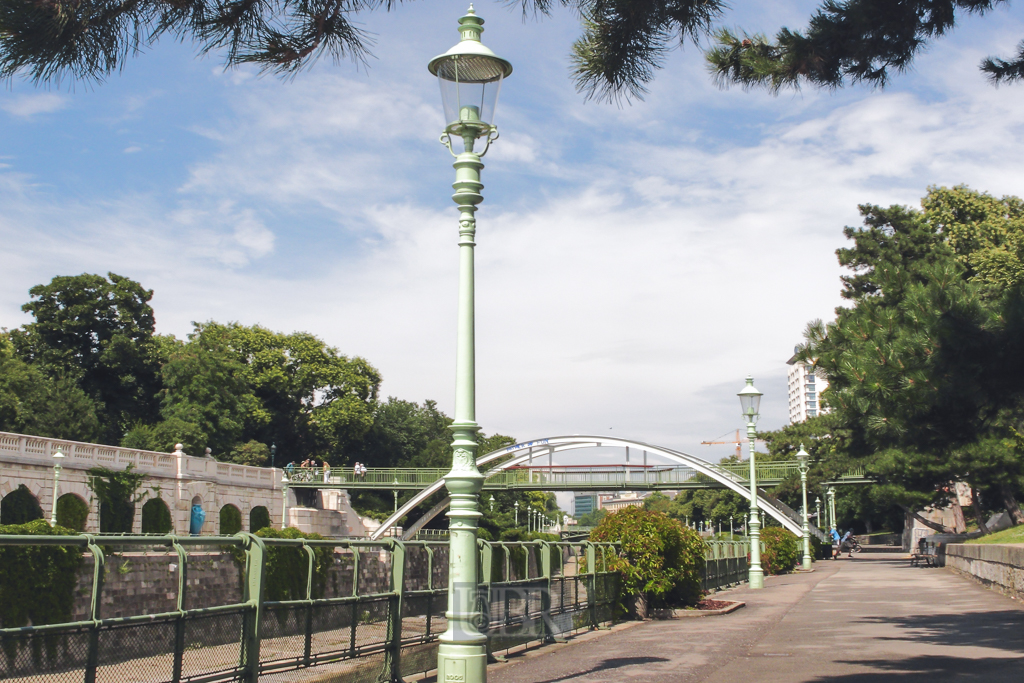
98,570
548,634
591,583
179,623
255,574
393,656
307,653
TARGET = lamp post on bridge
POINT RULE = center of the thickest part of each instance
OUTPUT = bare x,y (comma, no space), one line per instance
58,457
470,76
801,457
750,402
394,491
817,511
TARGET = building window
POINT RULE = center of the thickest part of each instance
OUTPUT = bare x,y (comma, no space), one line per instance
811,413
811,405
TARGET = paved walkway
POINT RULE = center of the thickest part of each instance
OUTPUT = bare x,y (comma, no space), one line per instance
867,620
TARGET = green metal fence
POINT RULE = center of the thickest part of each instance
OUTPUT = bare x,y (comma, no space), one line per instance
725,564
375,618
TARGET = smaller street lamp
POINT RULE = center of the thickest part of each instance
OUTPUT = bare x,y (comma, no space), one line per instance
492,502
273,455
58,457
395,492
832,506
284,500
516,506
730,527
801,457
817,510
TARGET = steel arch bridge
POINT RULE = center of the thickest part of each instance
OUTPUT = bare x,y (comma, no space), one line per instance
529,450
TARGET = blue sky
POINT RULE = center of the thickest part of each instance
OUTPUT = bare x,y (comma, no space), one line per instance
634,262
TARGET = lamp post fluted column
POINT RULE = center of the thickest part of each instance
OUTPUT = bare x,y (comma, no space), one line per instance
470,76
832,506
817,511
750,399
801,457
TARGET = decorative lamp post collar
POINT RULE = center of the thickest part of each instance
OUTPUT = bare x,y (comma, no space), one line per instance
750,400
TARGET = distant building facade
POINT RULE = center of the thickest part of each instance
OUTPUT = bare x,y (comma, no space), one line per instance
625,500
584,504
804,391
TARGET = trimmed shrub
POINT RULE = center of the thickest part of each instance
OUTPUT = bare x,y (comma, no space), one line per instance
780,552
19,507
259,518
72,512
660,557
230,520
156,518
37,583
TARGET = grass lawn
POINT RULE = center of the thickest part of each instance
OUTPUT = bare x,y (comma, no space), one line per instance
1011,535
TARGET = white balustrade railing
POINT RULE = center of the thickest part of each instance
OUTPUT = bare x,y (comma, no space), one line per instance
38,450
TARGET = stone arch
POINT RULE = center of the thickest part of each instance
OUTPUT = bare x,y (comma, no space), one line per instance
72,511
20,506
156,517
259,517
230,522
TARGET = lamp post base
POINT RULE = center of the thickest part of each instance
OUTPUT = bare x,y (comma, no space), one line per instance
756,579
806,565
461,663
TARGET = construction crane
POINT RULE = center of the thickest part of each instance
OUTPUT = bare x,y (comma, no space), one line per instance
737,441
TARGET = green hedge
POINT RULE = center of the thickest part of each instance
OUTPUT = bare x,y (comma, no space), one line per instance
259,518
72,512
156,518
230,520
660,556
37,583
780,553
288,566
19,507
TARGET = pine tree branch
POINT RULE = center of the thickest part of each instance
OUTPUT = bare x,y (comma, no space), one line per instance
1003,71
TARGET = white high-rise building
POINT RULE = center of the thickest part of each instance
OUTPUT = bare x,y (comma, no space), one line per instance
804,391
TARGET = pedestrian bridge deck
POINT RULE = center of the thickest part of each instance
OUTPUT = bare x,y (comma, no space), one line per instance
557,478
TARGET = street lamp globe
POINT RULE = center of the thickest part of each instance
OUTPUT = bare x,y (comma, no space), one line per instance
470,75
750,400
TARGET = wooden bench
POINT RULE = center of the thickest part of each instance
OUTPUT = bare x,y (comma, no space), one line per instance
926,552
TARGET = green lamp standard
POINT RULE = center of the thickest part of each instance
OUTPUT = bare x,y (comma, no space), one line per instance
801,457
470,76
832,506
516,506
394,491
817,511
750,401
492,502
58,457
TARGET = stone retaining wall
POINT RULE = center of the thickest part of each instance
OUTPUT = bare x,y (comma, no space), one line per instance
997,566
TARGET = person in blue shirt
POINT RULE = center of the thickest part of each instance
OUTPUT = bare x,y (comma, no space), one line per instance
835,543
847,543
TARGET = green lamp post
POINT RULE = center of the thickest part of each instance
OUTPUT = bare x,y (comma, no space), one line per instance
801,457
470,76
817,510
58,457
832,506
516,506
750,402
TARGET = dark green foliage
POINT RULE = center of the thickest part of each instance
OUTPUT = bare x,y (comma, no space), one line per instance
118,494
230,521
259,518
592,518
288,567
19,507
156,518
37,583
659,557
709,506
863,41
251,453
781,551
72,512
98,333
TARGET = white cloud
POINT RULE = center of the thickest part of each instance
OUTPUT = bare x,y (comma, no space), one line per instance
27,106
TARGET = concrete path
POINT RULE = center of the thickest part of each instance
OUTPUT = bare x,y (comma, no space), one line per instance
867,620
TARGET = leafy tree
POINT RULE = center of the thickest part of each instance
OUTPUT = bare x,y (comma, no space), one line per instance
97,333
251,453
659,556
920,366
37,582
623,43
592,518
657,502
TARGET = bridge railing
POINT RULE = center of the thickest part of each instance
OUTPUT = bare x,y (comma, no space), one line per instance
358,610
